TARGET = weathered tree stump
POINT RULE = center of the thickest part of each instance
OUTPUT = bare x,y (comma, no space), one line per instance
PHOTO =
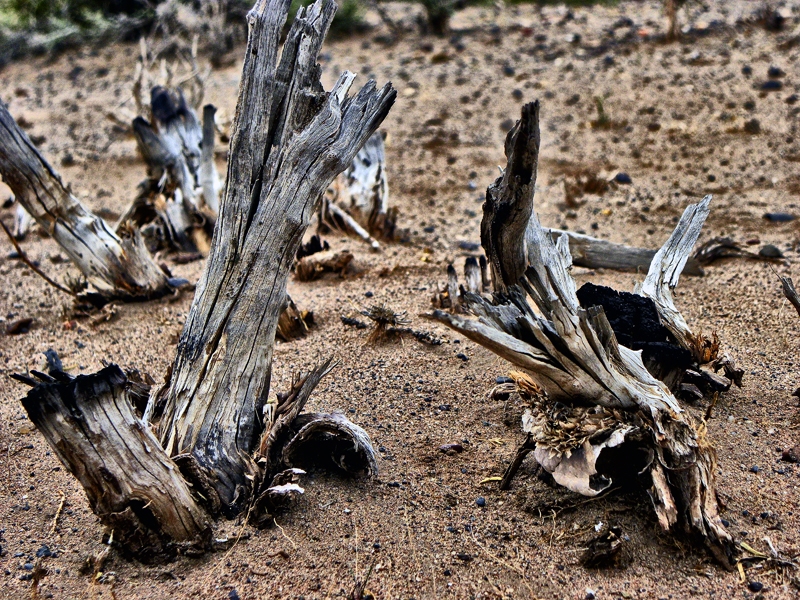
289,140
595,397
132,485
357,202
177,204
221,443
116,264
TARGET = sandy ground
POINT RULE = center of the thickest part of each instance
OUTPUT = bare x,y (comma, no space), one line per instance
678,126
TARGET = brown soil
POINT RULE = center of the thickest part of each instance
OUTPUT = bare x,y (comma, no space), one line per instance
677,119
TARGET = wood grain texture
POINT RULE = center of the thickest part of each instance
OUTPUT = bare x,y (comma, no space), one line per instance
509,202
116,265
289,140
131,484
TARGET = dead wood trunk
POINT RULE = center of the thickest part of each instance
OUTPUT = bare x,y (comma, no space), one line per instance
509,202
357,202
177,204
597,396
289,140
116,264
594,253
224,445
132,485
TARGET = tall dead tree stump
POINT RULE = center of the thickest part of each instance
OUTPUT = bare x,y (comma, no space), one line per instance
223,443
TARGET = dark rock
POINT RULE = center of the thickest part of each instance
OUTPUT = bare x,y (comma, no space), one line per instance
507,125
792,99
779,217
772,85
754,469
508,70
451,449
501,380
44,552
747,70
770,251
623,178
28,566
19,326
462,356
753,126
573,100
368,294
463,556
233,594
755,586
791,455
775,72
469,246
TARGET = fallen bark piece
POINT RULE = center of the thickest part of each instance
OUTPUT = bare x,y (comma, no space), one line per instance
594,253
293,322
609,549
573,355
328,261
117,264
89,423
358,200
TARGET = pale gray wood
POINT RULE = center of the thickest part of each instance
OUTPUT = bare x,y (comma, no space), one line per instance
666,268
790,292
289,140
594,253
116,264
132,485
209,176
509,202
573,355
357,202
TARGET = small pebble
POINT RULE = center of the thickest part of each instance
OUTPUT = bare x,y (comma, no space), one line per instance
43,552
754,469
770,251
772,85
501,380
775,72
779,217
755,586
369,294
480,501
747,70
233,594
451,448
791,455
462,356
623,178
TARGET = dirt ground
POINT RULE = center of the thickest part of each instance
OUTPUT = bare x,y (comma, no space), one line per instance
682,120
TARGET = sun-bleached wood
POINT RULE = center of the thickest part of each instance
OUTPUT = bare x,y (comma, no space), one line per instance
116,264
573,355
289,140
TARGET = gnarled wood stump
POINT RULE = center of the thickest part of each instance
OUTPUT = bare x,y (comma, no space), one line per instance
592,395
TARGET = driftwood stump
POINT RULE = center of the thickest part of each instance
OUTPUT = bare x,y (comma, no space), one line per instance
116,264
222,444
592,396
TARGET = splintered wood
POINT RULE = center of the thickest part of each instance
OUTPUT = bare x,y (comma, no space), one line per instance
117,264
599,399
177,204
219,443
357,202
